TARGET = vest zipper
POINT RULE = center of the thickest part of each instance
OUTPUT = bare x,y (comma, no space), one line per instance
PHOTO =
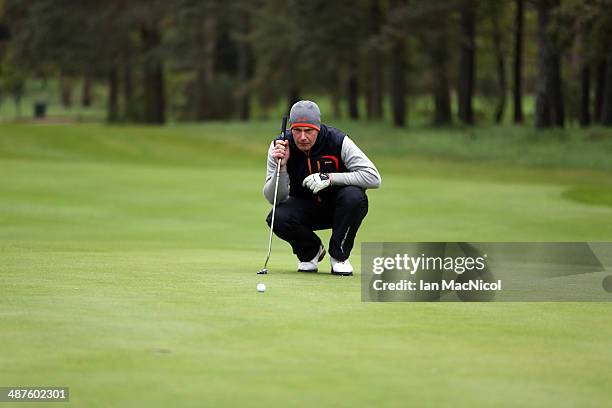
310,171
309,165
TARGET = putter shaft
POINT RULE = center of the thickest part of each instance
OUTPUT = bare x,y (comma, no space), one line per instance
278,166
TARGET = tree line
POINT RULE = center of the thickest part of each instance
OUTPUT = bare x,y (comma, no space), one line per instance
213,59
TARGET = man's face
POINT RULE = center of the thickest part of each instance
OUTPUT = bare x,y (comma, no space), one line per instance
304,137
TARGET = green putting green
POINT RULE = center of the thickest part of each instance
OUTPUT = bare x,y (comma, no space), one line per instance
128,272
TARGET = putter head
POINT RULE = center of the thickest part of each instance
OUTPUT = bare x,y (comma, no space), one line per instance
264,271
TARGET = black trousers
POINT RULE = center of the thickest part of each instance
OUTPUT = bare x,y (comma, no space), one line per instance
296,219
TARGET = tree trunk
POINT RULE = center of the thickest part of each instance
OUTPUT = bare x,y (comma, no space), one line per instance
542,108
129,108
17,91
244,102
199,88
374,81
584,114
501,68
549,98
556,92
113,95
373,94
353,94
159,105
86,95
244,107
398,91
600,83
606,109
205,39
441,92
154,93
585,95
244,71
518,62
17,101
466,63
336,94
66,90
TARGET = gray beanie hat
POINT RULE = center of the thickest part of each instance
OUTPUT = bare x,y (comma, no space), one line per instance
305,113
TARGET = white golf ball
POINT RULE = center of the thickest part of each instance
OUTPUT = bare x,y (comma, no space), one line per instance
261,287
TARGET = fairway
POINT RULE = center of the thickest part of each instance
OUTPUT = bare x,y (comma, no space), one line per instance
129,259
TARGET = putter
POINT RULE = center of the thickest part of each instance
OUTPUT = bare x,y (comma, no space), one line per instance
264,271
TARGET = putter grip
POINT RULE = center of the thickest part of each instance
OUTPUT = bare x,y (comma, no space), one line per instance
283,128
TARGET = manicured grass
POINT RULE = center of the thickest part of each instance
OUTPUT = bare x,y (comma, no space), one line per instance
129,257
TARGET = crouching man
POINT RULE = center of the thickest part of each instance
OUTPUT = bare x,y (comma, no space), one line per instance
322,183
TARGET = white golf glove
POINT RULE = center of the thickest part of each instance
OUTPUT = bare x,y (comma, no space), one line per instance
317,182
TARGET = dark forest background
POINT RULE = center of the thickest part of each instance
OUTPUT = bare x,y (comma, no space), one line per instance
541,62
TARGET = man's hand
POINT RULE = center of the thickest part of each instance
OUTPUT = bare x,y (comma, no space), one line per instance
317,182
281,151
